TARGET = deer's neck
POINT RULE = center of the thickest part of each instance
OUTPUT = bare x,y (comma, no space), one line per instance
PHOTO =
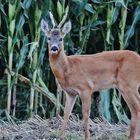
59,65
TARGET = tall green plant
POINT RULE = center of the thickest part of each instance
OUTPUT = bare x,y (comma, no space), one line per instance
131,29
122,25
12,8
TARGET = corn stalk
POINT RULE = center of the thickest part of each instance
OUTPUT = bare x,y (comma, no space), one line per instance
11,16
105,94
37,14
122,25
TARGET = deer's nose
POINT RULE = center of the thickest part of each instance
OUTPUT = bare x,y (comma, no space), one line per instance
54,48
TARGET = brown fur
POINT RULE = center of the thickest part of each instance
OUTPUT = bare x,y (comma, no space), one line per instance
85,74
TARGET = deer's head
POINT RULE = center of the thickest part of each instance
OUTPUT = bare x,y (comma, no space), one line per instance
55,35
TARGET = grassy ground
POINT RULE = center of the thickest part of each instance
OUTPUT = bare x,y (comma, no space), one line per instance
39,129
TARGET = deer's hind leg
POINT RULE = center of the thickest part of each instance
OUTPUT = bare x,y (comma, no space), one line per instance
132,98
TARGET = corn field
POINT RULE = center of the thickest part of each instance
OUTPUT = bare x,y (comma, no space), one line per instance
27,85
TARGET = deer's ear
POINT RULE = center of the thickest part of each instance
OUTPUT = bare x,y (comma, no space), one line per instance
44,26
66,28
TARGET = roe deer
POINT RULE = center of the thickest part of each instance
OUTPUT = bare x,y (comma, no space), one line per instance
84,74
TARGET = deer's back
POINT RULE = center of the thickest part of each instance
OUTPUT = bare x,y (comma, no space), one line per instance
105,68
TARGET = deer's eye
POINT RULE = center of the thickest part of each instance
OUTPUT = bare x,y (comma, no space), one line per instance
49,38
60,39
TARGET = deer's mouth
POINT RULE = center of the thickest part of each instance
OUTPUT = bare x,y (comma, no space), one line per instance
54,49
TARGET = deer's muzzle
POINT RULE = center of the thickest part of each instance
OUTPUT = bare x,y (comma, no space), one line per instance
54,49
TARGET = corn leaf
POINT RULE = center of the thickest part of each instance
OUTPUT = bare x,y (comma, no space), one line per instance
131,29
105,104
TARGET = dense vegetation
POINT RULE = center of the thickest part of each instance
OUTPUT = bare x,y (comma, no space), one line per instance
27,85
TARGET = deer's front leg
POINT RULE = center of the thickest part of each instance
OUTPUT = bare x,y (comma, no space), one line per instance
86,103
70,100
